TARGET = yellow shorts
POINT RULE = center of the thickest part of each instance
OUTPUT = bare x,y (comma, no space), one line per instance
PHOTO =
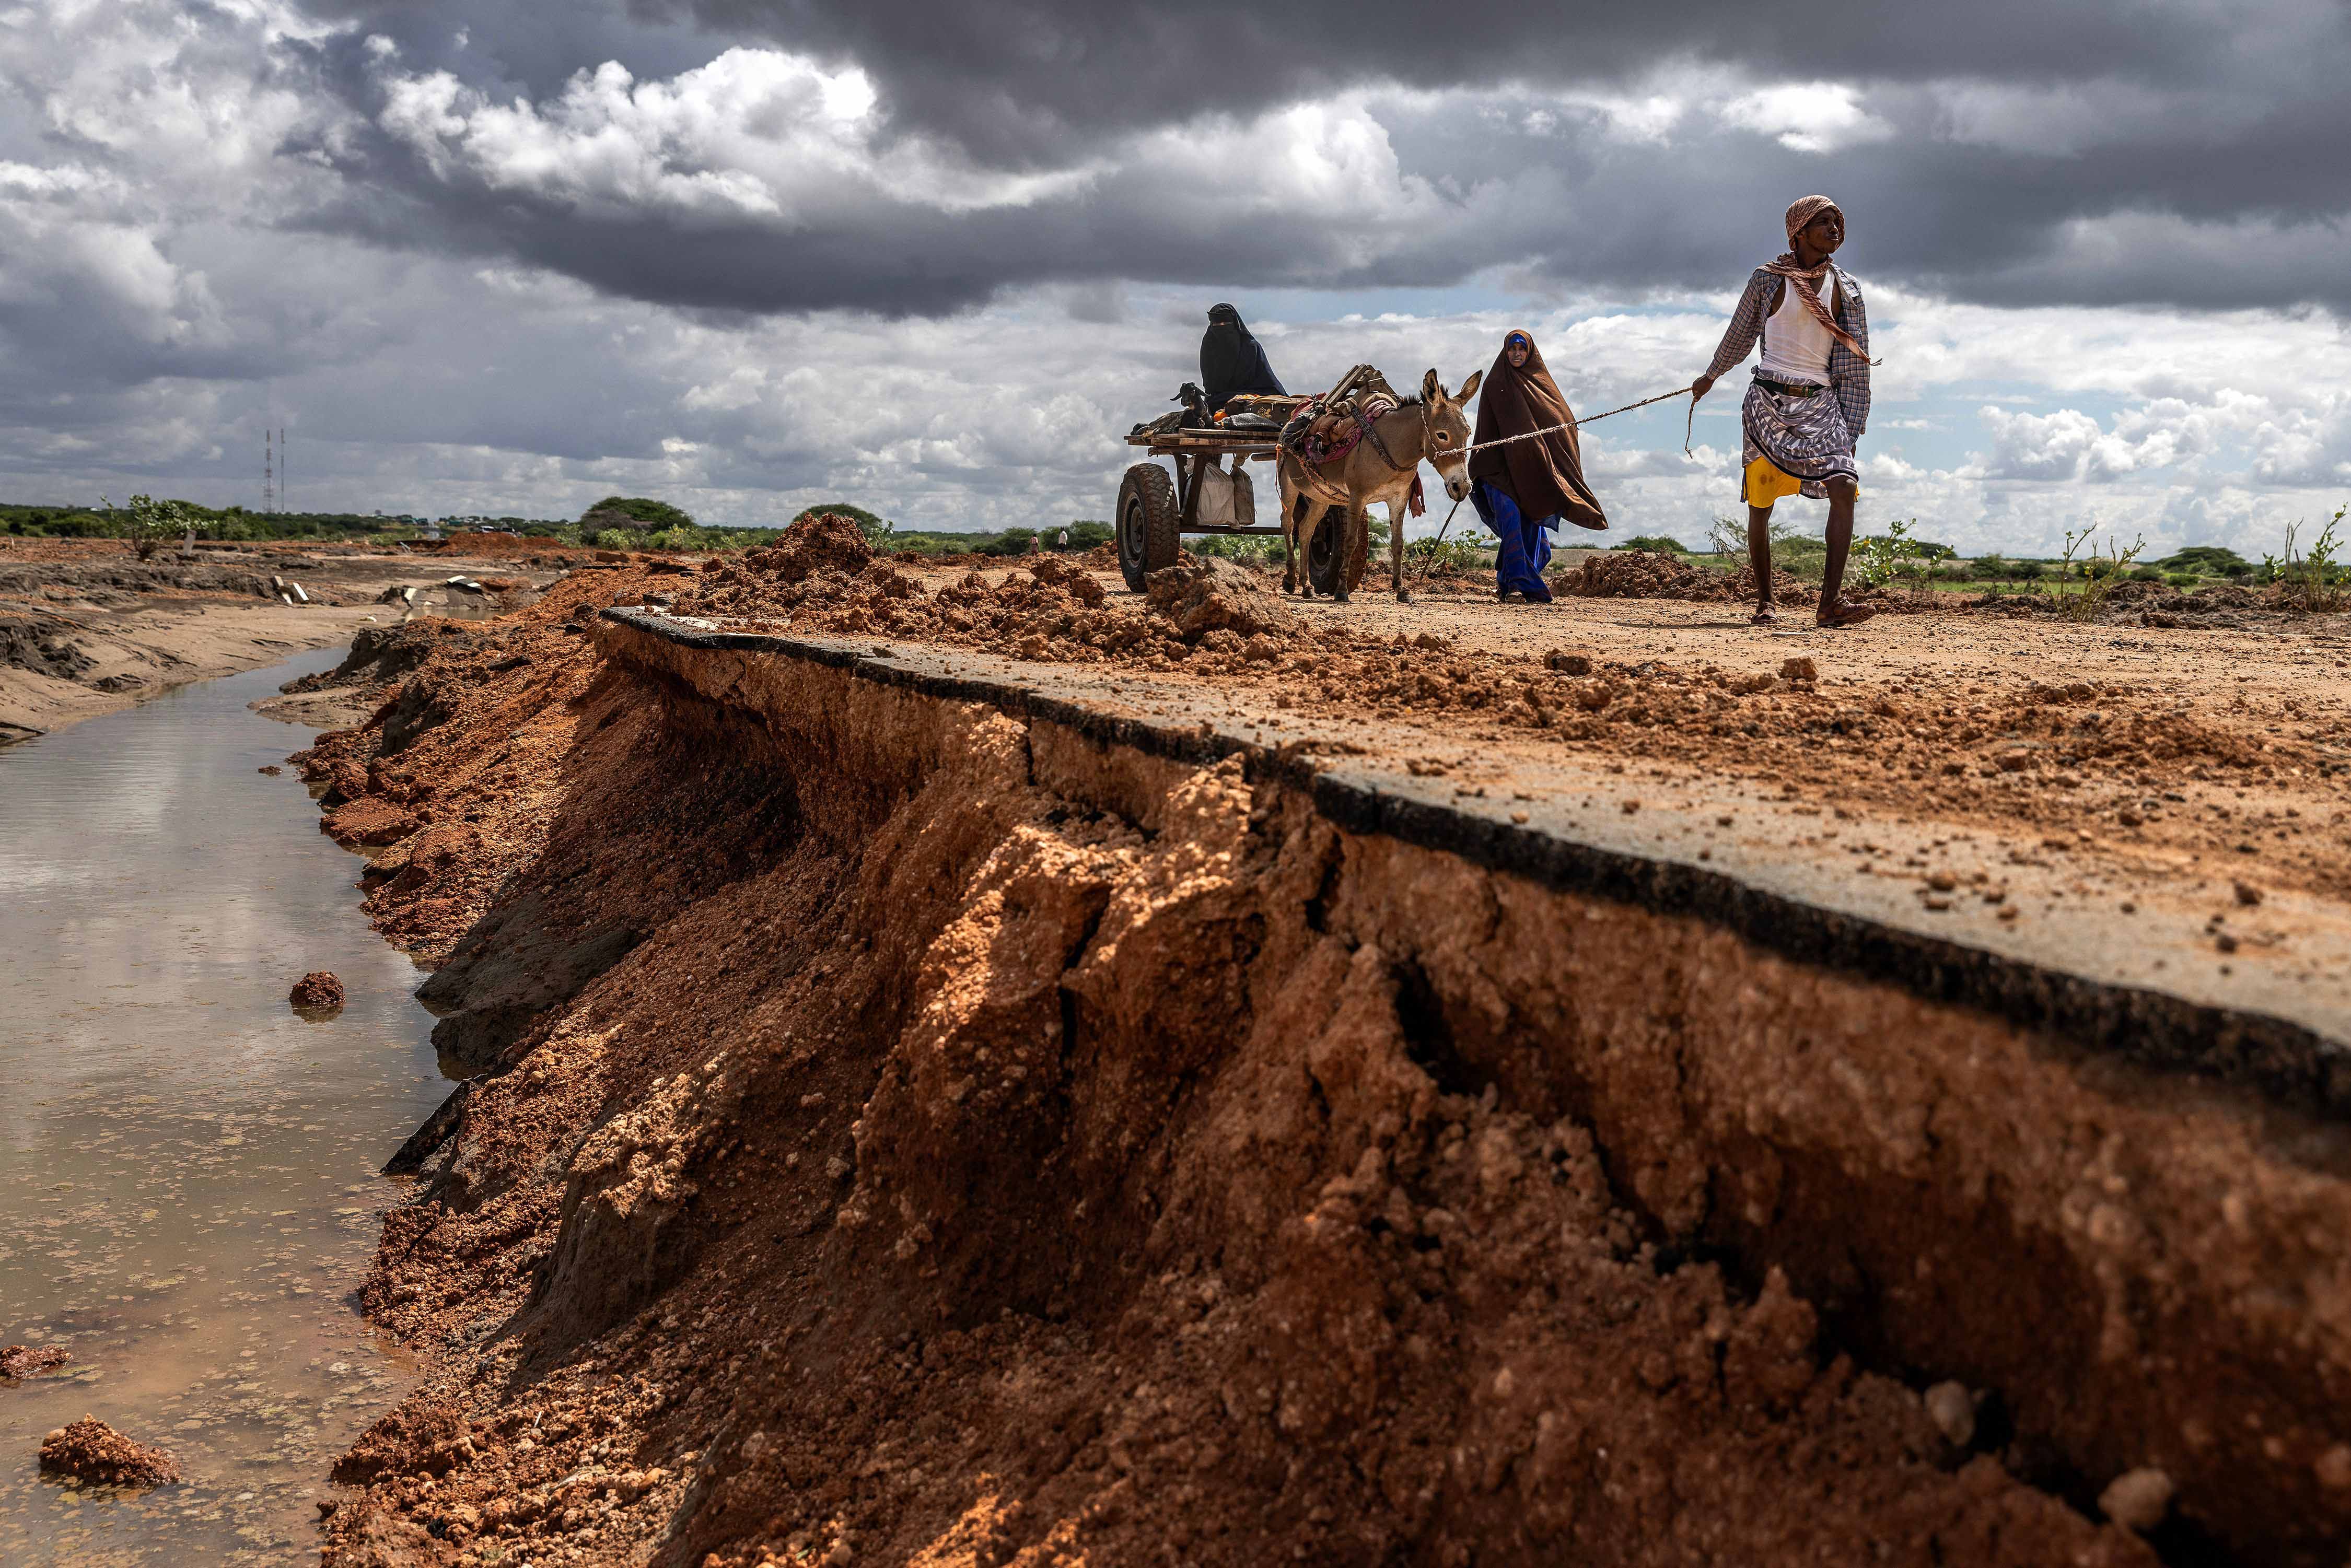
1765,483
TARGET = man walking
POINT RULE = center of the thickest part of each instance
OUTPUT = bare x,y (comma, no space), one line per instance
1809,401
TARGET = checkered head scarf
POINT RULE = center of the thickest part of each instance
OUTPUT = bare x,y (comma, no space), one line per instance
1805,211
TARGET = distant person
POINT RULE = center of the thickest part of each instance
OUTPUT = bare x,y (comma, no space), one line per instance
1522,489
1233,361
1809,401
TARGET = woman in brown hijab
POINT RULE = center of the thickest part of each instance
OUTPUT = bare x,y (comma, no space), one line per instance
1524,488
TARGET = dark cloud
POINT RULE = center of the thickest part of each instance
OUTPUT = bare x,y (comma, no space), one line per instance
2220,118
1019,78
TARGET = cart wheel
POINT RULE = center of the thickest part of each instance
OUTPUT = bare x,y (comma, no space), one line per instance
1322,556
1147,523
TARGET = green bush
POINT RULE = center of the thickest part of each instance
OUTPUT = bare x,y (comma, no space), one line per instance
616,538
1235,547
2182,579
2146,574
1661,542
643,509
2211,560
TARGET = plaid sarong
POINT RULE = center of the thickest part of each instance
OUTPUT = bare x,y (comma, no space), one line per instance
1806,438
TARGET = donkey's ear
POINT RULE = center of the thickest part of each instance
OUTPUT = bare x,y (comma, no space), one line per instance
1470,388
1430,387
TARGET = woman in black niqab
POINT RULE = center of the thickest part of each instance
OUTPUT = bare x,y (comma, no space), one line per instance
1233,361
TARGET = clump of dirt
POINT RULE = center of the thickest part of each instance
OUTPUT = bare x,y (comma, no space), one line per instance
317,991
1214,595
92,1451
826,542
27,1361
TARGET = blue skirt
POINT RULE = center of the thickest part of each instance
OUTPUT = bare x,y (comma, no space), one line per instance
1525,542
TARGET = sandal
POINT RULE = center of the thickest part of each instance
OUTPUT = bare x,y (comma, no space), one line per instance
1844,613
1764,618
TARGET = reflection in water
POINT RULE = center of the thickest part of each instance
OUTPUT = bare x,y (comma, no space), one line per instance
188,1194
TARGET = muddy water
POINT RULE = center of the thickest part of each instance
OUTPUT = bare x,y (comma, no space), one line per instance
188,1193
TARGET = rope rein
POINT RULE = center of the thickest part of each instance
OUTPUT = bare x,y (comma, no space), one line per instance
1688,430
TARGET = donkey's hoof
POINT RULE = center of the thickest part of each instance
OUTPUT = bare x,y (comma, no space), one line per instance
1403,596
1339,597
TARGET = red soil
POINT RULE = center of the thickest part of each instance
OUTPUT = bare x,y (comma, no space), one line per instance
909,1162
92,1451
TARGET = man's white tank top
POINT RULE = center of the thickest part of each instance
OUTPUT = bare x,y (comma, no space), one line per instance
1795,345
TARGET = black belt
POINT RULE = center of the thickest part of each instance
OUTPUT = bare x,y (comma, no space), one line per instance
1787,389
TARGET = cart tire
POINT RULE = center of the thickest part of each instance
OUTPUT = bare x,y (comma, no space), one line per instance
1147,531
1322,556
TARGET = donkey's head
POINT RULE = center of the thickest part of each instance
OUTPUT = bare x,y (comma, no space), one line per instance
1445,438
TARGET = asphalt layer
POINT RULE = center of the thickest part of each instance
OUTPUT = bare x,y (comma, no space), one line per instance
2087,954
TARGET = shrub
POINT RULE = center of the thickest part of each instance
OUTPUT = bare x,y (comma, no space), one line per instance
1237,547
2146,574
2314,581
1892,554
2212,560
2099,574
615,538
149,524
1664,543
653,513
2183,579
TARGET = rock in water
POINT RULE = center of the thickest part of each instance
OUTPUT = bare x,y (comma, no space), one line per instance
317,991
1213,595
91,1450
23,1360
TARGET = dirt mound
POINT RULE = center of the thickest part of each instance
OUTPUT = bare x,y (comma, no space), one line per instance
826,542
43,644
379,655
25,1360
1214,595
1660,574
1633,574
92,1451
316,991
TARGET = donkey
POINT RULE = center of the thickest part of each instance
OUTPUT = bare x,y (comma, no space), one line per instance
1380,470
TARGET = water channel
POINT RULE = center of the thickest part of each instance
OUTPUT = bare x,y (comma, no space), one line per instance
188,1187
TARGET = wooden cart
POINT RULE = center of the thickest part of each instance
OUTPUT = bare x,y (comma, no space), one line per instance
1154,513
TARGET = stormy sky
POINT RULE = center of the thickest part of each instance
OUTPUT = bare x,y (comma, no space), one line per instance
936,259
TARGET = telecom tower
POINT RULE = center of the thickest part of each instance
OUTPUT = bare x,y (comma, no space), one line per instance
268,470
285,473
